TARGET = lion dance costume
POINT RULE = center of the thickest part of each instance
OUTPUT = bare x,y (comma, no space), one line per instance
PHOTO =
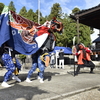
28,38
41,58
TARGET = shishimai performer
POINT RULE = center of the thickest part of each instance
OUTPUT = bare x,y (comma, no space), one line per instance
42,57
11,64
28,38
84,59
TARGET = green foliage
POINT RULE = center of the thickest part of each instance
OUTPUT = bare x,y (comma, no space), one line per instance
1,7
42,20
56,11
12,7
85,33
60,39
21,56
75,10
23,12
30,14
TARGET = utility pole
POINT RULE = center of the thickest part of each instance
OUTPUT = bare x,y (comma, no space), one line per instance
38,11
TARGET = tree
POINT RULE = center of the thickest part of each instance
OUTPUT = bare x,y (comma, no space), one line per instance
75,10
43,20
85,33
1,7
30,15
56,11
23,12
60,39
12,7
70,30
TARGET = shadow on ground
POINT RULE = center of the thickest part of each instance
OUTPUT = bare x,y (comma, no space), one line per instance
20,91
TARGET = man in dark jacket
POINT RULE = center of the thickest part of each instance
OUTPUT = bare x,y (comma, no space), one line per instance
61,58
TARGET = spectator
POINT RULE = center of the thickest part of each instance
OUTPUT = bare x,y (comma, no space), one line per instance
52,60
61,59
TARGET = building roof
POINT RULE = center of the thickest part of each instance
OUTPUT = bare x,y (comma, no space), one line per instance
96,40
89,17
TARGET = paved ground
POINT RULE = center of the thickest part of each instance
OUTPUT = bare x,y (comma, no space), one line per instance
93,94
59,84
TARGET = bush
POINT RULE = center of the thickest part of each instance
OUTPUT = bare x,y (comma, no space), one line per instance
22,57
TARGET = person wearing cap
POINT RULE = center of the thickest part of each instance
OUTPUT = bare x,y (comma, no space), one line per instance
84,59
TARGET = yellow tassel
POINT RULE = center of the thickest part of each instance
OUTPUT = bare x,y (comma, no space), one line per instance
16,71
37,69
42,57
47,59
14,60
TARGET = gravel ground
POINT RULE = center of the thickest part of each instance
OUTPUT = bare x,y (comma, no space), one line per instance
93,94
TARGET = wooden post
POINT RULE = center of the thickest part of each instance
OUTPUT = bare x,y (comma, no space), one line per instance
78,40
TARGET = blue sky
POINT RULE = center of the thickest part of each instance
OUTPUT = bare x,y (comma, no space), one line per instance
45,6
